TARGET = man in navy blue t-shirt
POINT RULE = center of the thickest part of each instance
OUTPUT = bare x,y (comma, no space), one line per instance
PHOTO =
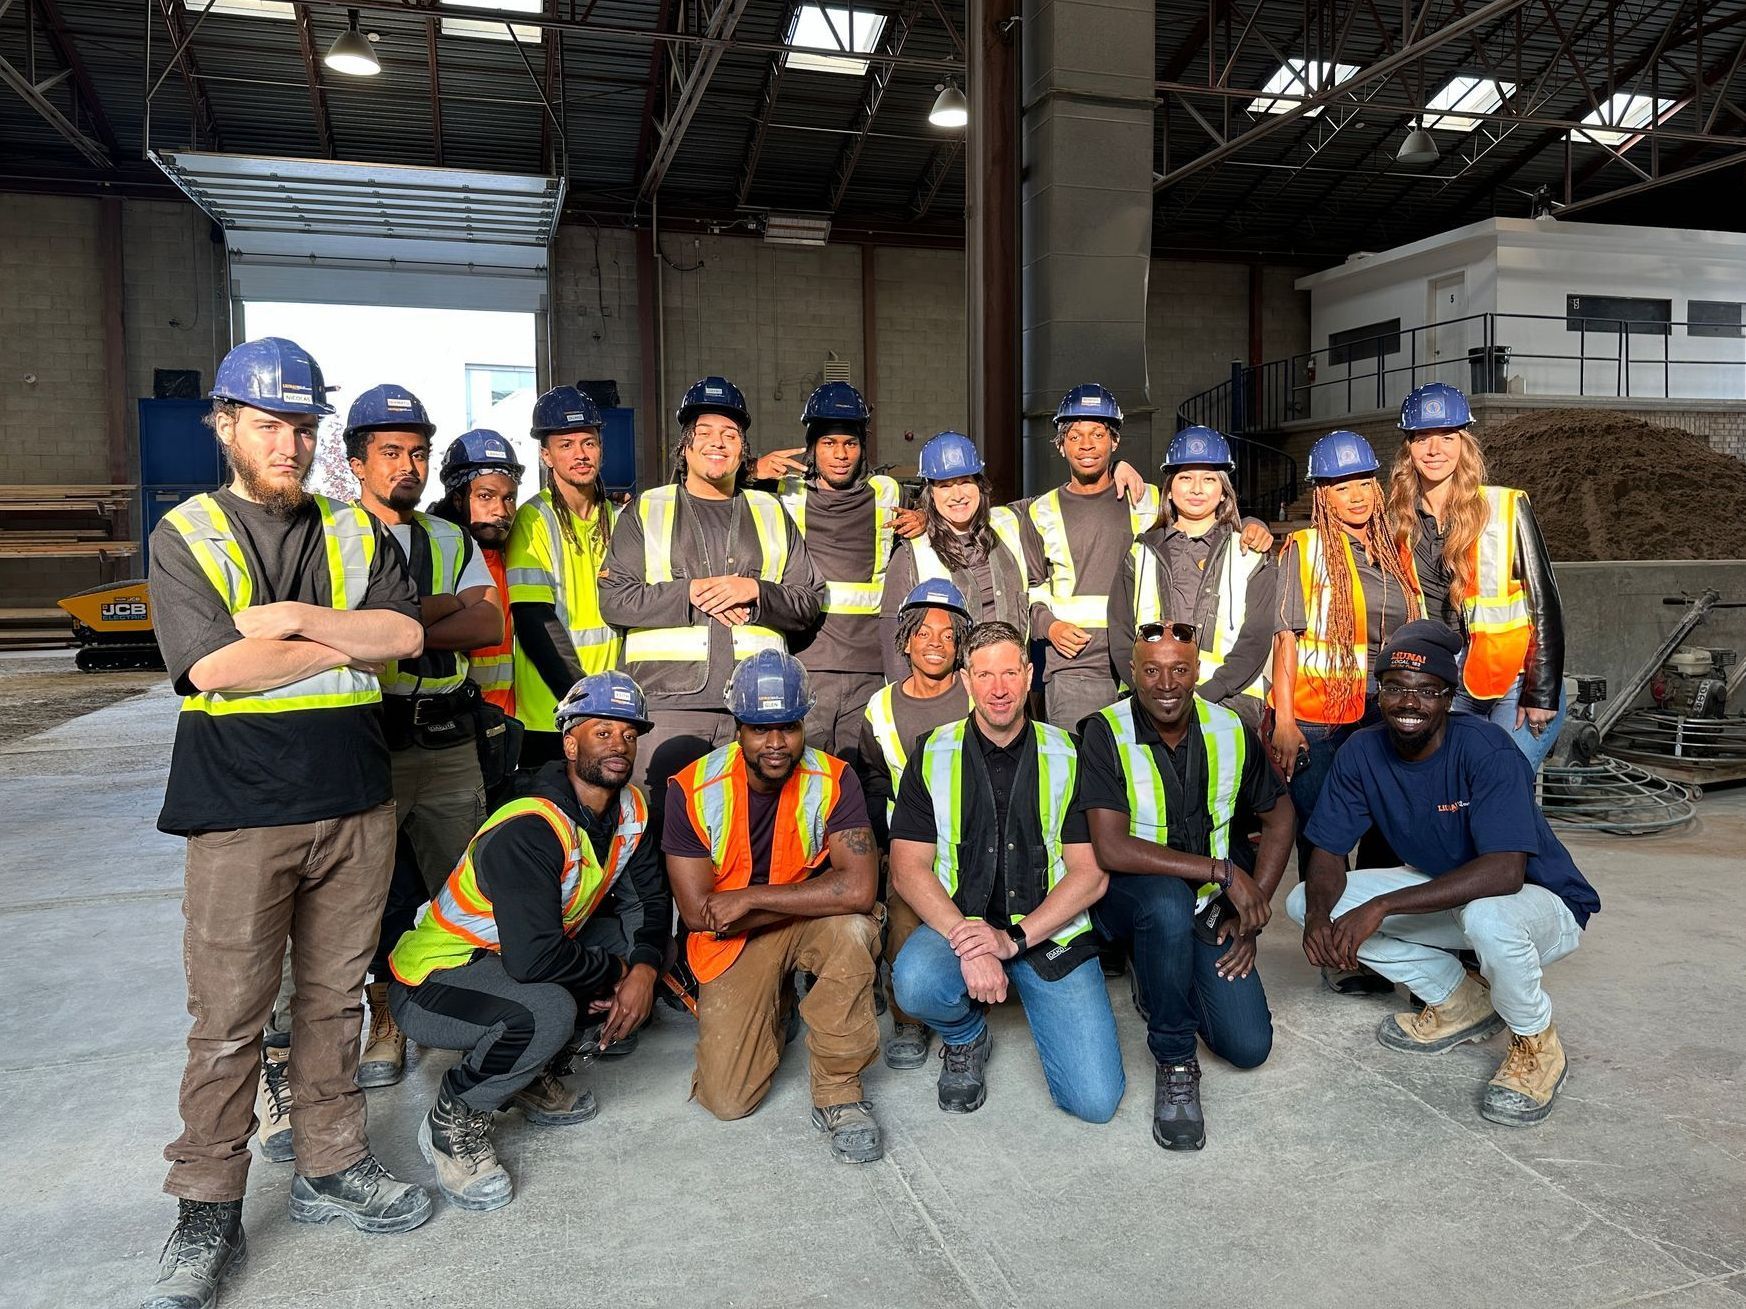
1480,870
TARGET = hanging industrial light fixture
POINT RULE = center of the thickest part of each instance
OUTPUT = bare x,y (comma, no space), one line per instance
950,109
351,51
1418,148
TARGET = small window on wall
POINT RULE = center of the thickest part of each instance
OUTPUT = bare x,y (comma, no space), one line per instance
1357,344
1713,318
1603,313
490,385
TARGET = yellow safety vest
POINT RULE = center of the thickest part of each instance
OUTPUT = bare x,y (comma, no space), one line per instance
929,567
942,765
349,536
1060,590
1233,592
542,567
853,596
1499,628
657,509
1221,732
460,919
878,713
448,551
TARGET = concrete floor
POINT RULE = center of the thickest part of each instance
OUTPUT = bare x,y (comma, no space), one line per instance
1339,1174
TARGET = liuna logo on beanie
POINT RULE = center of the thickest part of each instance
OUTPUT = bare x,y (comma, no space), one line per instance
1412,659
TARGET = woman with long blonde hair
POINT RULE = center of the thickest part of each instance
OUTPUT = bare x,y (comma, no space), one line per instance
1481,566
1343,589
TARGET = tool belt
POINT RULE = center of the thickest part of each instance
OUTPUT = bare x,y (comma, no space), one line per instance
435,722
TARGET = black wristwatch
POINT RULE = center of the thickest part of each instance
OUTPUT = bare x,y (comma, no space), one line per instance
1017,932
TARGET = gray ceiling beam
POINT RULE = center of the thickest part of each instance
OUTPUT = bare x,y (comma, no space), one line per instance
32,93
688,96
878,80
312,71
67,51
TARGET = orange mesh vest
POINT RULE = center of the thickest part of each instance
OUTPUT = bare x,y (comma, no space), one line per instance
1316,671
492,667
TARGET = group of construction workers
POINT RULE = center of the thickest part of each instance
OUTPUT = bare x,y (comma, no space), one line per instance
772,742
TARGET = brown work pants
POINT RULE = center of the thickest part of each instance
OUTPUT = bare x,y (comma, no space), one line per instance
740,1015
322,884
900,921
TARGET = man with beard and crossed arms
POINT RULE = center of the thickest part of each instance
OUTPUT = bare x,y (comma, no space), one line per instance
428,704
276,611
507,957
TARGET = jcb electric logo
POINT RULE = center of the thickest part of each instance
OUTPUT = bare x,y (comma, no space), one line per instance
124,611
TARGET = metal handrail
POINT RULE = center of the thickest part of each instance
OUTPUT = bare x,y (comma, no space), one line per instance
1263,398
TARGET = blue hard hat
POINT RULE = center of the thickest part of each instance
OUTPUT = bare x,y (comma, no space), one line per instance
1199,446
939,593
835,402
272,374
478,451
564,409
389,406
950,454
1340,455
714,395
1089,401
1436,404
768,688
611,694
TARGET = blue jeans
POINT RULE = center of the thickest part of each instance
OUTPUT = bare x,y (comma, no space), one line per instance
1180,987
1502,711
1070,1020
1324,741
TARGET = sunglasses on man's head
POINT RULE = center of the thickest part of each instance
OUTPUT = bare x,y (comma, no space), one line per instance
1186,632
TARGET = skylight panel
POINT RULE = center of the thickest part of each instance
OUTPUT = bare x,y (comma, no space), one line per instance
1478,94
1299,77
492,29
833,28
1624,110
243,8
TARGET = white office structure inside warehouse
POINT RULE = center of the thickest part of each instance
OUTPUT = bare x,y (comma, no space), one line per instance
1269,218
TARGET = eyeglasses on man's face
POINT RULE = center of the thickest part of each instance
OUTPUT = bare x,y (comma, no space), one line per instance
1391,693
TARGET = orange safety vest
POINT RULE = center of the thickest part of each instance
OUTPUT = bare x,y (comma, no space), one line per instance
1499,629
1317,672
492,667
715,799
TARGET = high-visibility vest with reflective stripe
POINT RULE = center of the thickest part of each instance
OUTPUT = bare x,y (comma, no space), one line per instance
448,550
1316,670
929,567
657,509
349,538
1060,590
461,920
1233,592
1499,629
942,765
852,595
573,588
715,800
492,667
884,722
1221,732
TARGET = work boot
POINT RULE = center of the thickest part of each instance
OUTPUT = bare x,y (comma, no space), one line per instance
1177,1123
1362,981
365,1195
457,1143
273,1105
908,1046
963,1080
1466,1015
384,1055
548,1102
854,1134
206,1243
1527,1080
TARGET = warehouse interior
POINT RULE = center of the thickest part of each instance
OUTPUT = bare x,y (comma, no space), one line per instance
1273,218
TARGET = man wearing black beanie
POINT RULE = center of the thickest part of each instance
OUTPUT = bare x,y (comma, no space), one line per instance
1480,870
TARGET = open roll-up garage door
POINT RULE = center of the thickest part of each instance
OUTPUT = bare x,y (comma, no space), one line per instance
329,231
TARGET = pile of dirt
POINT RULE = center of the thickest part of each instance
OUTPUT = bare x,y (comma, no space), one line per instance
1606,485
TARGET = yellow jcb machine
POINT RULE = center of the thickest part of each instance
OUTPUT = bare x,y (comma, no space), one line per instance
112,625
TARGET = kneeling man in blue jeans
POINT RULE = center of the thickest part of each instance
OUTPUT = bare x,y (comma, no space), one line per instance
988,848
1482,871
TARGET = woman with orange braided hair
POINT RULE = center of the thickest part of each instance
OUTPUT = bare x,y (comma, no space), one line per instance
1343,589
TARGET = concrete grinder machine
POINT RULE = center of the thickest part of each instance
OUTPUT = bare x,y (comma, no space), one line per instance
112,627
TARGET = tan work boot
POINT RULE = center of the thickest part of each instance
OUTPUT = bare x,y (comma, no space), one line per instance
457,1143
1466,1015
548,1102
1527,1080
273,1105
384,1056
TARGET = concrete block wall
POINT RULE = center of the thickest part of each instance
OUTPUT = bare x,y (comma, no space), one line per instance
921,350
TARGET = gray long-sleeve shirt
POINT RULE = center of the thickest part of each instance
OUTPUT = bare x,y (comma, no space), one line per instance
711,538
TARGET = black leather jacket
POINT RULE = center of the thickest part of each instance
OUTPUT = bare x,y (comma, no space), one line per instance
1543,672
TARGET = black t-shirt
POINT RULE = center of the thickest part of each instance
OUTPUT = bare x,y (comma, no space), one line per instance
681,839
1103,785
266,770
914,816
